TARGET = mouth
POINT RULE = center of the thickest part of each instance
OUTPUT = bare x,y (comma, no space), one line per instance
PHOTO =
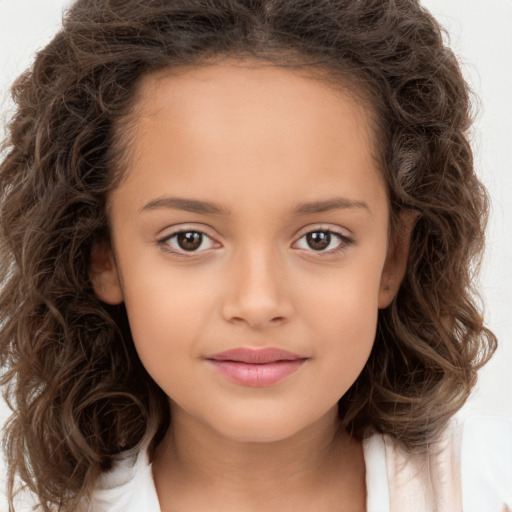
256,367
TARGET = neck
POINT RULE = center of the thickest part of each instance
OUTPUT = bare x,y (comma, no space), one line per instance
314,464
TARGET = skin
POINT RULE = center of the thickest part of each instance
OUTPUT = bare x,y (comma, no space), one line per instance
259,143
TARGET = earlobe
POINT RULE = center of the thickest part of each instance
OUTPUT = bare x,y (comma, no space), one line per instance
103,275
396,261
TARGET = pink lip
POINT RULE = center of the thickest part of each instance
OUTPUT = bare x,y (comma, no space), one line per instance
256,368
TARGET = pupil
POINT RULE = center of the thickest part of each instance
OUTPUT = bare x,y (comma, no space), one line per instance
190,240
318,240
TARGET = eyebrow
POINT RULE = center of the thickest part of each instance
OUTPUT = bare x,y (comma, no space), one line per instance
335,203
187,205
207,207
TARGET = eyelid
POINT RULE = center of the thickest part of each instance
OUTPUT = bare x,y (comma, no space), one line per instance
338,230
171,231
346,240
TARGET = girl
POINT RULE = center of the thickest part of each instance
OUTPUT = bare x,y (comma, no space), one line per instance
238,240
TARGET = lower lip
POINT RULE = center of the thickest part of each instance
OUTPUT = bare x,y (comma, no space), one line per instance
257,375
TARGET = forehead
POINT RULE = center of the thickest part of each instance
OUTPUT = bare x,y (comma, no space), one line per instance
243,124
252,95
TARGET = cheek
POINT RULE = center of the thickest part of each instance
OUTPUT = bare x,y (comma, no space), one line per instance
352,319
345,298
168,313
343,319
345,351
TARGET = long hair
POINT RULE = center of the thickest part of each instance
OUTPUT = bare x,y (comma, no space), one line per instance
78,391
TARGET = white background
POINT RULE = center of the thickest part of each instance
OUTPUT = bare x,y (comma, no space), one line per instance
481,36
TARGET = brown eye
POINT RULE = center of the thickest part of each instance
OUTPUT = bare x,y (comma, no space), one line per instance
318,240
325,242
182,242
189,240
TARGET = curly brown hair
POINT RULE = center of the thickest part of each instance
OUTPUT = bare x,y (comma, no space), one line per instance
78,391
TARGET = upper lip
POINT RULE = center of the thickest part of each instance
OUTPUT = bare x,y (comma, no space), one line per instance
256,356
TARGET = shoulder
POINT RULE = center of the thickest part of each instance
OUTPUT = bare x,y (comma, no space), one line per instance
128,487
468,469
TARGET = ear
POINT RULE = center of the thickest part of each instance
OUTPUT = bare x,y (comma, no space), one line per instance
103,274
396,260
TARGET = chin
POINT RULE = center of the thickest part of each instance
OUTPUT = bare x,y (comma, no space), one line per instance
264,428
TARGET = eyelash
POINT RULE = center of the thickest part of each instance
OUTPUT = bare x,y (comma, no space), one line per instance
344,241
165,245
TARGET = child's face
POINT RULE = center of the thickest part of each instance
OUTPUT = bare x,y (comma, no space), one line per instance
245,162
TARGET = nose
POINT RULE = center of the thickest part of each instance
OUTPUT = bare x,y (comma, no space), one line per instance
258,291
